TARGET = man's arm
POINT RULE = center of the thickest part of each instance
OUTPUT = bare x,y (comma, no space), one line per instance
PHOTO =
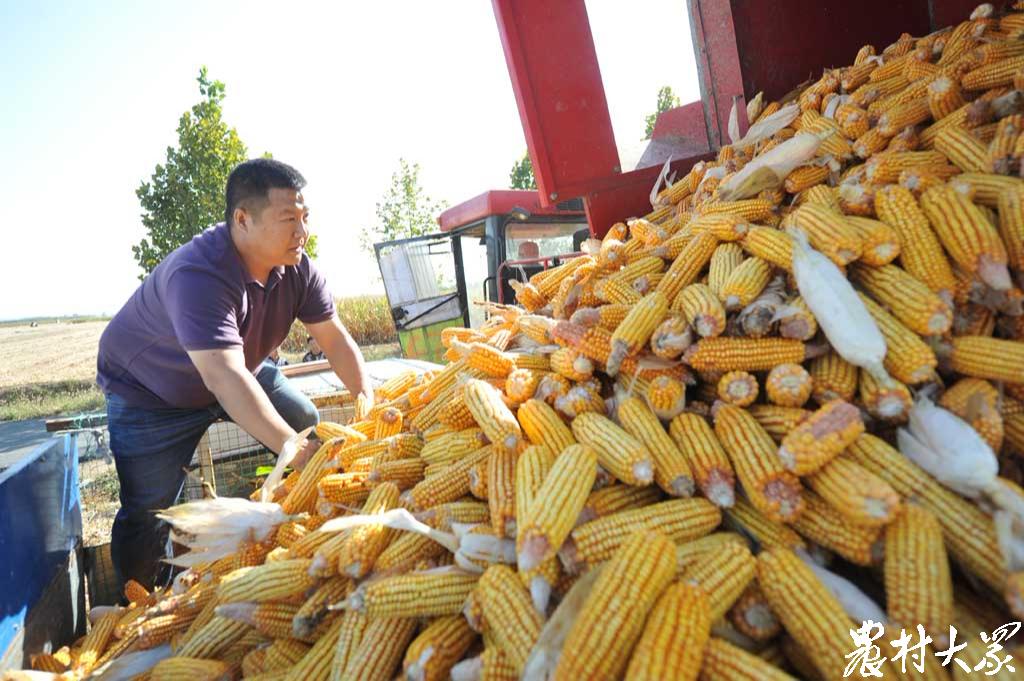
343,354
237,390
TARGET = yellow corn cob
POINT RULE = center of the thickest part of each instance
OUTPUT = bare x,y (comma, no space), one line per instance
991,358
649,233
870,143
821,195
96,641
312,613
711,468
212,639
448,485
501,468
455,413
1001,149
724,661
595,342
672,643
773,490
345,488
687,265
609,500
270,619
805,177
822,524
266,582
681,520
613,615
491,414
821,437
521,384
900,116
405,551
422,594
672,336
910,301
581,398
788,385
743,354
809,612
725,258
478,479
770,244
907,358
972,241
511,618
556,505
671,470
768,533
1011,224
993,75
640,267
636,329
181,668
858,495
829,232
453,446
606,316
944,97
387,423
689,554
963,150
618,452
437,648
722,226
906,140
984,188
889,401
379,653
796,321
543,426
918,586
751,210
404,473
528,296
918,181
738,388
666,396
45,662
752,616
745,283
881,245
572,364
778,421
723,575
367,542
920,254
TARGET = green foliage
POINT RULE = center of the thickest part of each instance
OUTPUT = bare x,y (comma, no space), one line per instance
185,194
666,101
521,176
311,246
404,211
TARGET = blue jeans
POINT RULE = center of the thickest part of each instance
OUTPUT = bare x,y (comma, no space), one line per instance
152,448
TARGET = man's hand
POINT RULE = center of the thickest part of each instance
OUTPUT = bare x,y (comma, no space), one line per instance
302,458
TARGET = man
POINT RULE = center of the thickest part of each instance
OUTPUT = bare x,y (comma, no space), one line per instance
276,358
313,351
189,347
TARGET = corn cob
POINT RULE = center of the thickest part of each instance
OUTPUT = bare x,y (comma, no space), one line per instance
921,254
738,388
379,652
96,641
511,618
745,283
572,364
725,258
822,524
437,648
181,668
266,582
345,488
610,500
636,329
971,240
415,594
723,575
809,612
769,244
969,534
743,354
679,519
671,645
543,426
671,337
555,506
788,385
775,492
687,265
918,586
581,398
212,639
724,661
491,414
618,452
613,615
889,401
977,402
778,421
907,358
501,466
607,316
1011,225
752,616
900,116
712,469
796,321
820,438
881,245
962,149
909,300
858,495
991,358
453,446
671,470
993,75
701,306
449,485
666,396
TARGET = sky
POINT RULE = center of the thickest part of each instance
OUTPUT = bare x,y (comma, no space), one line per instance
92,94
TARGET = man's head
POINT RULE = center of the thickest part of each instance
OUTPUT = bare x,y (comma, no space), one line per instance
312,345
266,212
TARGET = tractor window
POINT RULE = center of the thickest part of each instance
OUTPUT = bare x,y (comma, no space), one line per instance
537,240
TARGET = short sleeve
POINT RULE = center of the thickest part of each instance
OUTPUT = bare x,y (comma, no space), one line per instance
203,311
318,304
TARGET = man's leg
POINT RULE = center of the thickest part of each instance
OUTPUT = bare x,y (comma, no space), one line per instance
151,449
296,409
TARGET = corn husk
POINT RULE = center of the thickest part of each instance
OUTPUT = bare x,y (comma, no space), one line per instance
769,170
214,528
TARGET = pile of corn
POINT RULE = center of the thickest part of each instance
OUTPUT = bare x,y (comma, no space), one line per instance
686,455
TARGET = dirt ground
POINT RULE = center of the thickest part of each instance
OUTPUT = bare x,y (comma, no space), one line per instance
48,352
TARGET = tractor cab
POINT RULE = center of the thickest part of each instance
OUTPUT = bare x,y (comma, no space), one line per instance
439,280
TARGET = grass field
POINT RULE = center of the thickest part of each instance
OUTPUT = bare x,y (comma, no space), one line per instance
50,369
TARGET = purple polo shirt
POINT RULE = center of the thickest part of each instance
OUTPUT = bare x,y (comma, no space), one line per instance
201,297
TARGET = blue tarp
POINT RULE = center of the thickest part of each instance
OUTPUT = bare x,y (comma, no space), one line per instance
40,523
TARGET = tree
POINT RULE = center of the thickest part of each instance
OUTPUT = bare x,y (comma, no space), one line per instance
666,101
185,194
521,176
404,210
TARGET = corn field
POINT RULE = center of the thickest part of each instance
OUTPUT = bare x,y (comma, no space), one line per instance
367,318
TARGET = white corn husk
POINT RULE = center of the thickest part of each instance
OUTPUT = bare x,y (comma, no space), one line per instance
755,106
949,449
214,528
131,665
488,547
395,519
734,122
769,126
543,659
857,604
468,670
840,312
769,170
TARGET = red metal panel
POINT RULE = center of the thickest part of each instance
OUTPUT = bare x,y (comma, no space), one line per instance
551,59
497,202
718,63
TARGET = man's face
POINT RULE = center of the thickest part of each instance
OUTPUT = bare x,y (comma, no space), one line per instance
279,231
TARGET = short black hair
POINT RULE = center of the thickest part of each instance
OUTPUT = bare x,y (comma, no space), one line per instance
251,181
